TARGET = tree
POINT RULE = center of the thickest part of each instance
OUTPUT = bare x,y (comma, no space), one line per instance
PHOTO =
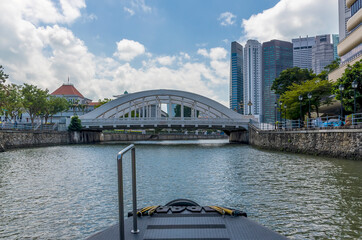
329,68
290,76
75,124
101,102
320,90
55,105
34,100
12,102
3,90
351,73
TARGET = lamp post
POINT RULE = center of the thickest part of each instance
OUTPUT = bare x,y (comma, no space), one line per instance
309,97
241,104
250,104
285,117
301,99
354,86
341,88
275,109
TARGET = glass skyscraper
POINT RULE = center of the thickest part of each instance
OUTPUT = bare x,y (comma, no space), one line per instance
252,78
236,78
277,56
302,52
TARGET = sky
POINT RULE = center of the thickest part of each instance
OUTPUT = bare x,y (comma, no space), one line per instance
110,46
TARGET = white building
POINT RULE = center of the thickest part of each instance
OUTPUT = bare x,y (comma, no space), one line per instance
322,53
252,78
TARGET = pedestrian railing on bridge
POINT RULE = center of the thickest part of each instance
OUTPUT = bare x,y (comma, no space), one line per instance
31,127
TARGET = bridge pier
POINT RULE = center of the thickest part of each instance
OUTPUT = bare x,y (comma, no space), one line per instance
240,136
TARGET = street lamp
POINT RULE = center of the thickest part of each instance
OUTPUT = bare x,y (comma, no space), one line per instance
241,104
276,113
309,97
285,118
354,86
341,88
301,99
250,104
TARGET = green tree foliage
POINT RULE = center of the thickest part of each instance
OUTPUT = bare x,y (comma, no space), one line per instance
351,73
187,111
288,77
34,100
132,114
3,90
320,90
12,103
3,76
54,105
75,124
101,102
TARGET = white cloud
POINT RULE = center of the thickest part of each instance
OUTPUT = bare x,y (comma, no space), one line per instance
292,18
130,11
166,60
214,53
129,49
227,19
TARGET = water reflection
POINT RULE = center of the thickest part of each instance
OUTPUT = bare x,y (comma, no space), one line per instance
70,192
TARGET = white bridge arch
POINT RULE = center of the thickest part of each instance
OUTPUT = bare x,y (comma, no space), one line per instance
145,110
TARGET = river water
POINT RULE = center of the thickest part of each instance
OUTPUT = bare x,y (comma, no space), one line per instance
70,192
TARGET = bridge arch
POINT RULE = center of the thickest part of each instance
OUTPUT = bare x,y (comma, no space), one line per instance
141,102
144,109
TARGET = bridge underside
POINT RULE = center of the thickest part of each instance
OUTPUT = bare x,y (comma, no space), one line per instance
145,124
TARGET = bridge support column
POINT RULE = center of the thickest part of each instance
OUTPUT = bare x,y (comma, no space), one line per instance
241,136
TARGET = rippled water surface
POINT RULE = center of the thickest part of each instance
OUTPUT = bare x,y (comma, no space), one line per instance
70,192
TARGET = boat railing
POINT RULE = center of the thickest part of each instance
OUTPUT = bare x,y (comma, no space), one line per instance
120,191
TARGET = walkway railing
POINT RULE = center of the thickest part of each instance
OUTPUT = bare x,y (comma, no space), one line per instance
29,126
321,122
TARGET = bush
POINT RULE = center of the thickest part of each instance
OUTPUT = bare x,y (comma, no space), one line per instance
75,124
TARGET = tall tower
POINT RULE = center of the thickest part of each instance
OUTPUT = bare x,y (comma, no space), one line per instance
335,38
322,53
276,56
236,78
302,52
252,78
344,13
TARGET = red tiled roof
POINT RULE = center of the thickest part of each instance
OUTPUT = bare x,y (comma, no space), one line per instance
67,89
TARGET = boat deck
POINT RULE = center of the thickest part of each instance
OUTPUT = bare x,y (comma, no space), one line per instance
186,223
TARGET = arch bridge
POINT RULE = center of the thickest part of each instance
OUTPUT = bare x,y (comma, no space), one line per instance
164,109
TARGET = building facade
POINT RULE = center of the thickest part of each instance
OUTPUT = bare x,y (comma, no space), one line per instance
349,48
236,78
344,13
302,52
276,56
322,53
252,78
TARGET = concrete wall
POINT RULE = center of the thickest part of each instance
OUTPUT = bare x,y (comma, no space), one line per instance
239,137
145,137
17,139
339,143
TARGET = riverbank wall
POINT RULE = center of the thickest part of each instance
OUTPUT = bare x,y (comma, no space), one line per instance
339,143
10,139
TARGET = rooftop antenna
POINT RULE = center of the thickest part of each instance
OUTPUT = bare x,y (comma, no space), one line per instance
68,80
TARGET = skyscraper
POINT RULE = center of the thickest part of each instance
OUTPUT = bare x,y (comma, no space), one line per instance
236,77
335,38
322,53
252,78
302,52
276,56
344,13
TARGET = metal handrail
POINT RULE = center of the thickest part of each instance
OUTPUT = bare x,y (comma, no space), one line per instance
120,191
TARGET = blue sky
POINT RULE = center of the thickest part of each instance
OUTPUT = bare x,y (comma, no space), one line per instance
109,46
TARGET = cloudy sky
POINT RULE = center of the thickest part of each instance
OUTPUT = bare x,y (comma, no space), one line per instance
109,46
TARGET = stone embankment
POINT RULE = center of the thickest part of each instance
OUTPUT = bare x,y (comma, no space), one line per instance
10,139
339,143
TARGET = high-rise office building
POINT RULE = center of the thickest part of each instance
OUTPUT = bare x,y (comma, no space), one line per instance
335,38
236,78
252,78
322,53
344,13
302,52
276,57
